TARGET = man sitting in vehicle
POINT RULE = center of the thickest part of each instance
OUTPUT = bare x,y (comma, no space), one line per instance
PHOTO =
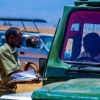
91,43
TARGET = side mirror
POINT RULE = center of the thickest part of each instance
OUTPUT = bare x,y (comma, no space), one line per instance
42,65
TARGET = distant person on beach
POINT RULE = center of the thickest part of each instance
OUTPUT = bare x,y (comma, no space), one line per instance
9,62
91,43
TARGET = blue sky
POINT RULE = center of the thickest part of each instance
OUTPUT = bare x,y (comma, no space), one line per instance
46,9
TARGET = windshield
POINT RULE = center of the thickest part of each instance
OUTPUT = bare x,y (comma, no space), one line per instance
47,40
82,38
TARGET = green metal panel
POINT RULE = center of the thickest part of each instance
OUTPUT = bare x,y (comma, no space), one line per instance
95,3
54,64
78,89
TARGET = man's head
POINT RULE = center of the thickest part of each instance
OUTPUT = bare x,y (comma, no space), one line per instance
13,37
91,44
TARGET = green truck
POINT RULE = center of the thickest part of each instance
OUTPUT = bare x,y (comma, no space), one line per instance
72,71
76,76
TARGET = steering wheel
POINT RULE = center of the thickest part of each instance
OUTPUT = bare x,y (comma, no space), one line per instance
86,59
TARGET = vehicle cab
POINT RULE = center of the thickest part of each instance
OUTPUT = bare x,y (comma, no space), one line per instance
76,77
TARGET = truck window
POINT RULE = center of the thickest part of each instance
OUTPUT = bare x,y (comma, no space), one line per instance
80,24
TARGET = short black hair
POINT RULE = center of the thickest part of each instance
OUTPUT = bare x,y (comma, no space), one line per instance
92,42
93,38
11,31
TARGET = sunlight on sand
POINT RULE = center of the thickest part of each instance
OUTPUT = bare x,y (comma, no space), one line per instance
27,87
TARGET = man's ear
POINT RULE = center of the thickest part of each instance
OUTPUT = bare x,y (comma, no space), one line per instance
10,38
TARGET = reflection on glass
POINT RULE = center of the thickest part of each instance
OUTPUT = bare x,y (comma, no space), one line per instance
47,41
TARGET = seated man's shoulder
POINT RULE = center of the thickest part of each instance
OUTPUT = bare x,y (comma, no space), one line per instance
3,48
